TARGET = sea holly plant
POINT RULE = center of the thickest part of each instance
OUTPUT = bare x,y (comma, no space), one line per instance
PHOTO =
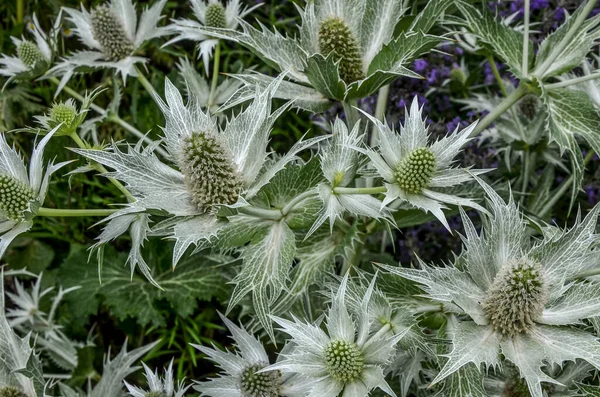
310,171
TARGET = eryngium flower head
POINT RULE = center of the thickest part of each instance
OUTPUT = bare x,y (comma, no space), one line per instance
65,116
244,374
32,58
344,49
518,296
212,14
159,386
112,35
417,172
21,192
9,391
348,359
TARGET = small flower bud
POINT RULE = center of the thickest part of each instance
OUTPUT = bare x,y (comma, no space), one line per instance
528,106
343,360
63,112
415,171
336,37
14,197
108,30
215,16
29,53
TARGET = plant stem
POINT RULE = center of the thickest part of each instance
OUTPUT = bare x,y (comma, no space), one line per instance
525,65
577,80
351,113
587,9
588,273
147,85
112,117
506,104
295,201
261,213
20,10
528,161
563,188
496,73
382,100
215,75
63,213
360,190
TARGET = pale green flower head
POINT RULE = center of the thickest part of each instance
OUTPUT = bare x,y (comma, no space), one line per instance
22,192
344,49
416,171
348,359
159,386
518,297
243,374
211,14
112,34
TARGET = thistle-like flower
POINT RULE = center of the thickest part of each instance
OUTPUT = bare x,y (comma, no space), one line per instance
521,294
21,193
348,359
345,49
244,375
415,171
216,166
340,163
159,387
212,14
113,35
32,58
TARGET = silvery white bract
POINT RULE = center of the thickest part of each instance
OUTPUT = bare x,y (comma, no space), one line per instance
340,163
520,295
347,360
113,374
22,192
164,387
590,87
17,356
33,59
217,166
242,376
212,14
198,87
112,34
415,171
345,49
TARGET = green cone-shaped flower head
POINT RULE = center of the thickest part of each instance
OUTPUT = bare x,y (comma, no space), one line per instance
336,37
415,171
15,197
108,30
344,360
209,171
9,391
63,112
260,384
29,53
215,16
516,298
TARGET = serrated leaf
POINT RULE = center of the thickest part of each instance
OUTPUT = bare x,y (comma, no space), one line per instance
466,382
499,38
30,254
323,74
429,16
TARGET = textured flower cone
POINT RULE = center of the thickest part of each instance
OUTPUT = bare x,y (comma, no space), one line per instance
335,37
215,16
63,113
263,384
14,197
29,53
156,394
9,391
344,361
209,172
108,30
415,171
516,298
528,106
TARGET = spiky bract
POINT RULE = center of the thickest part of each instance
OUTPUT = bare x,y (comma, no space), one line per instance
415,171
14,197
336,37
108,30
29,53
210,174
343,360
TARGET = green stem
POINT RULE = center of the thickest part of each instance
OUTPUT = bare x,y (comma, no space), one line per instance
566,39
528,161
382,100
289,207
506,104
112,117
563,188
496,73
428,309
588,273
215,75
147,85
261,213
525,65
360,190
351,113
577,80
20,10
64,213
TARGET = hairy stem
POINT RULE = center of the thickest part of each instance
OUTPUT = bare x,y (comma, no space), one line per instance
577,80
382,100
506,104
215,75
64,213
525,65
360,190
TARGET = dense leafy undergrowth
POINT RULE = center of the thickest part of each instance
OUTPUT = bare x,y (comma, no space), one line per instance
290,198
